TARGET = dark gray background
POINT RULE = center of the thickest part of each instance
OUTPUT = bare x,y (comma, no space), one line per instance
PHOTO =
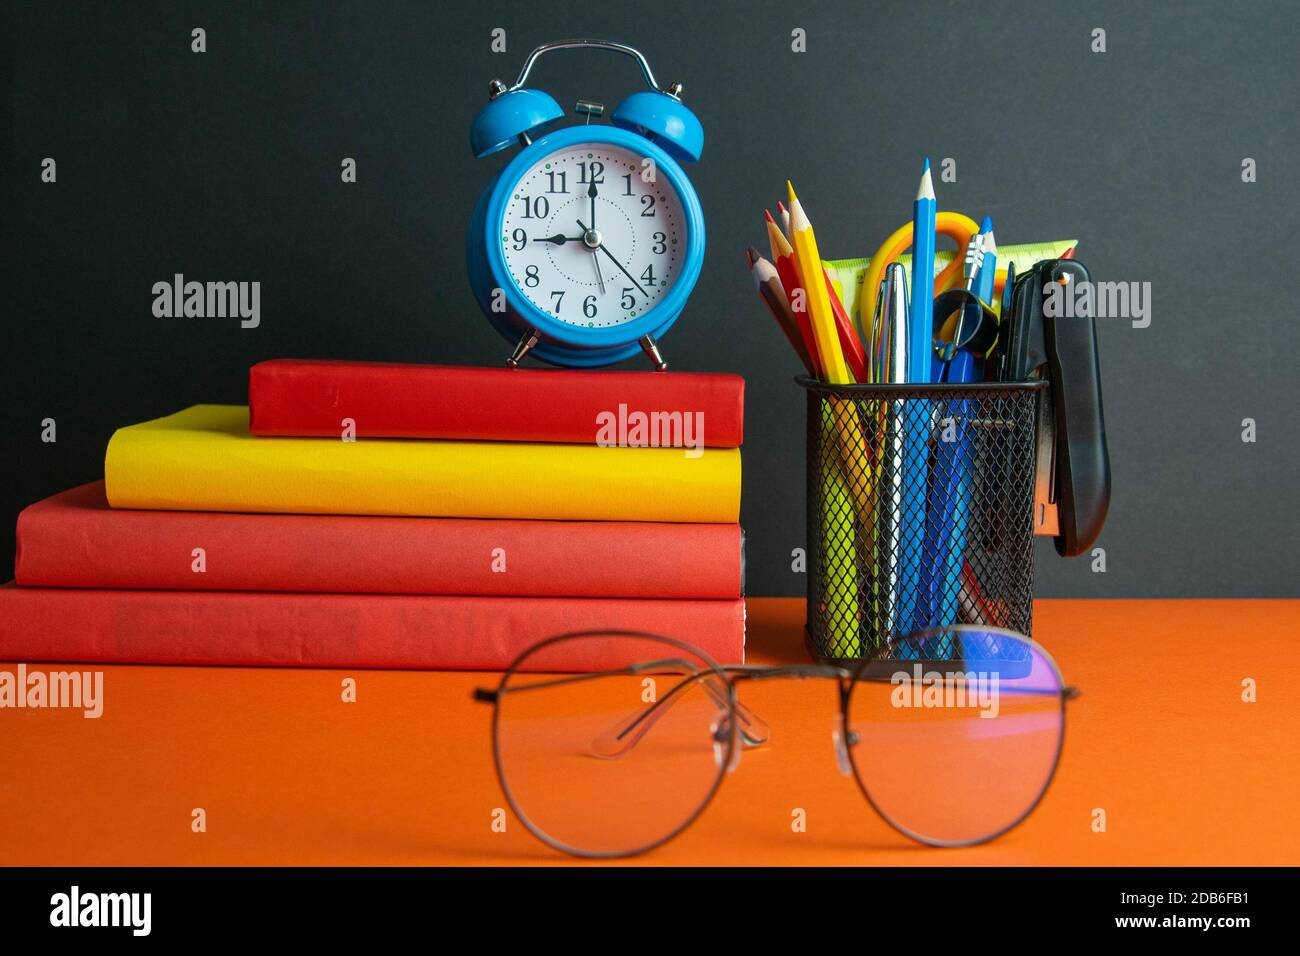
225,166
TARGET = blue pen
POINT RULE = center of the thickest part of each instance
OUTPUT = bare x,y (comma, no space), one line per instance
984,282
916,412
943,351
931,609
988,270
981,274
946,526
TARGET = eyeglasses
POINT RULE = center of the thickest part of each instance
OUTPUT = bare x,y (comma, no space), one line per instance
953,734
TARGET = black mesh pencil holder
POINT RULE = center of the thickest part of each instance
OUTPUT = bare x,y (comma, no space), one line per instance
920,510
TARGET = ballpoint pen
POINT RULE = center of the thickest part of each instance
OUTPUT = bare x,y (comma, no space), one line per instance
947,518
893,526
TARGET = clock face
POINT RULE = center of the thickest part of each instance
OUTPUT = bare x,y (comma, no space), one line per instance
594,235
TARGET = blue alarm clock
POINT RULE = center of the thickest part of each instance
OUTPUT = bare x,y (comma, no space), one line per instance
583,250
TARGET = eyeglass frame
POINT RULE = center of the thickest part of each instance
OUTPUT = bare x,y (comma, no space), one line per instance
730,674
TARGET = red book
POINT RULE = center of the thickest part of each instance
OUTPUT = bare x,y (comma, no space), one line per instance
74,539
341,630
307,398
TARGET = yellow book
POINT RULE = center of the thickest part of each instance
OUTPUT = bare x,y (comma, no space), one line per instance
205,459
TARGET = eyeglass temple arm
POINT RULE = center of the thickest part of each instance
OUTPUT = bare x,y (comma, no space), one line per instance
616,741
627,733
488,695
740,672
761,671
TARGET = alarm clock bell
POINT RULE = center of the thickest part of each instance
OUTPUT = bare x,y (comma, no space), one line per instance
512,119
517,116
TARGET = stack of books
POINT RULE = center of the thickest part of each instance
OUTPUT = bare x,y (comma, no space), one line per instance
381,515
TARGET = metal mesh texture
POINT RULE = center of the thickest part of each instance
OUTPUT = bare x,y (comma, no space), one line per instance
920,511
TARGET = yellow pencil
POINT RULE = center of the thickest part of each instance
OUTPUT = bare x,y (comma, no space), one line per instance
809,262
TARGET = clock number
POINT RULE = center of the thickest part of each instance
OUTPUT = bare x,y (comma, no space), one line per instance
589,306
521,239
558,297
531,278
647,205
628,302
648,277
558,177
538,208
661,244
627,190
595,168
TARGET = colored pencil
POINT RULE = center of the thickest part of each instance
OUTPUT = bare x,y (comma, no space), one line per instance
840,420
808,259
922,302
855,355
788,270
768,284
785,216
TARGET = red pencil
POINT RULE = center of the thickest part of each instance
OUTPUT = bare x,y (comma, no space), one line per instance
783,254
855,355
768,284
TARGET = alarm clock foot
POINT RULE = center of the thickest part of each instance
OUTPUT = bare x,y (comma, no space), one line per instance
523,347
652,352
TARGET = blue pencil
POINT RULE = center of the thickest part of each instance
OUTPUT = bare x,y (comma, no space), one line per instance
916,412
923,213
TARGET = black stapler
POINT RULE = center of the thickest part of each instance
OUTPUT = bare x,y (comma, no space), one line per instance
1045,341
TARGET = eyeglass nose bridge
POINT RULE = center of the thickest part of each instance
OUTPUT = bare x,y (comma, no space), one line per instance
842,745
722,735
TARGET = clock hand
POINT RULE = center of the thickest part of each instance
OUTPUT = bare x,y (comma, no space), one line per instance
625,272
603,249
557,239
595,261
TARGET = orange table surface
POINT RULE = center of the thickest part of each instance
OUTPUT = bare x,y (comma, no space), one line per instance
1161,740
